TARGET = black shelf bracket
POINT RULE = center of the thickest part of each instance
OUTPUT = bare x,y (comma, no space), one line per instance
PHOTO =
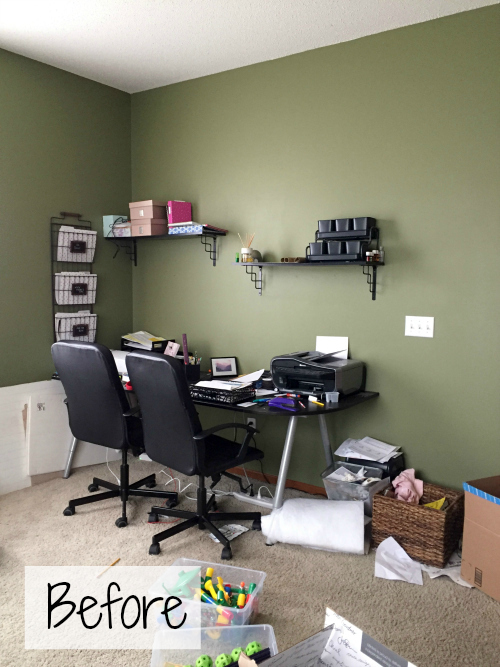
210,246
371,279
128,244
255,276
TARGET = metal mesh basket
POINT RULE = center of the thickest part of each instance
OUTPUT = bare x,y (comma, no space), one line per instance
79,326
75,245
75,288
232,396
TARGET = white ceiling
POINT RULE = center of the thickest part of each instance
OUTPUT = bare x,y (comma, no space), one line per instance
136,45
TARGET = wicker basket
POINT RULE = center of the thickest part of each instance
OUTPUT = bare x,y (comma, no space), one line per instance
427,535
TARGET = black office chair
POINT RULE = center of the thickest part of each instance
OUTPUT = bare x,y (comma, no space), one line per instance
173,436
100,413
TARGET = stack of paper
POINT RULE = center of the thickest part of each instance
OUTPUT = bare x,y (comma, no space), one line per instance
367,448
141,340
228,385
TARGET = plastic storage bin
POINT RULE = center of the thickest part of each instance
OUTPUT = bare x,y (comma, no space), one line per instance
76,245
214,641
74,288
337,490
76,326
230,575
318,248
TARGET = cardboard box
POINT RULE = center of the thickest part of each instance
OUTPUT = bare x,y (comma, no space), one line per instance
481,543
149,208
149,227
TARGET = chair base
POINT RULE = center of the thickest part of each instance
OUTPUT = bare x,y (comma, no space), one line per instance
202,518
123,491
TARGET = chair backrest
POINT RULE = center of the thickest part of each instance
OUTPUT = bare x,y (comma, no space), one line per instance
169,418
96,398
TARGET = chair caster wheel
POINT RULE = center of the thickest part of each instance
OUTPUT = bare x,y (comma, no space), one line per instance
150,485
93,488
201,526
121,522
152,518
69,511
214,507
170,504
227,554
256,525
154,549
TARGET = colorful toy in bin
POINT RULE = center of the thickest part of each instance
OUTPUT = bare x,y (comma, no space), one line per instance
235,653
252,648
212,590
223,660
204,661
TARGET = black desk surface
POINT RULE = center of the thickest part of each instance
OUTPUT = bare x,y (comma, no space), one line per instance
310,409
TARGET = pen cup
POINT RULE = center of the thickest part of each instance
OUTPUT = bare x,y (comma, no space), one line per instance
192,372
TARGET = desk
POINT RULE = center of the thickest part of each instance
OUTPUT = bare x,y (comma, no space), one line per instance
311,410
263,409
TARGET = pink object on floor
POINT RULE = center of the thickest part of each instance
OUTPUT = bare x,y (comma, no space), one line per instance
408,488
179,211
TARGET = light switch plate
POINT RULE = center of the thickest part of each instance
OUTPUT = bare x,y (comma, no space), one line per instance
419,326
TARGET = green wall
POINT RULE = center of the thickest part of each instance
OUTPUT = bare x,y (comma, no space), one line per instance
402,126
64,146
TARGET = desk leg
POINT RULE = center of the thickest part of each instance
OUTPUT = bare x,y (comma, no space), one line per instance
285,462
71,453
326,440
281,481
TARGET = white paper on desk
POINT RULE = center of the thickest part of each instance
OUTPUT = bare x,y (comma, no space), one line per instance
265,392
248,404
337,344
251,377
220,384
451,569
392,562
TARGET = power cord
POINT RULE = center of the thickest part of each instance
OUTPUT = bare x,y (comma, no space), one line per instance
107,463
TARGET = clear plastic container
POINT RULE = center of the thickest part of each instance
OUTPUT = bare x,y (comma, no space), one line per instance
337,490
230,575
215,641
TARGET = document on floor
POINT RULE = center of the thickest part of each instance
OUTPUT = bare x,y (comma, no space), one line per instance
349,646
367,448
392,562
451,569
230,531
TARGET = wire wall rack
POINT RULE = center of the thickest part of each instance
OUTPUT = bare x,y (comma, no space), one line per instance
73,283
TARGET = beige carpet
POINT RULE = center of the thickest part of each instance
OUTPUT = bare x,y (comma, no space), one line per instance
439,624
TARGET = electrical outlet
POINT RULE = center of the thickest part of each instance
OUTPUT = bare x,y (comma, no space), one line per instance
419,326
251,421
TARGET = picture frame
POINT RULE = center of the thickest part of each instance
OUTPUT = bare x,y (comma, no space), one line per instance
223,366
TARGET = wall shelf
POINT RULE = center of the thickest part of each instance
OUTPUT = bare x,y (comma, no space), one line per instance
254,270
129,243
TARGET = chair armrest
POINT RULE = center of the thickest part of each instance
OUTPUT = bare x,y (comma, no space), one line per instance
133,411
221,427
250,430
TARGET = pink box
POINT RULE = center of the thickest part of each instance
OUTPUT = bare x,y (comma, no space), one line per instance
139,210
179,211
149,227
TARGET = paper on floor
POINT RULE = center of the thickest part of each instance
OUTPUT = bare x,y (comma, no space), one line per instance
337,344
392,562
451,569
230,531
349,646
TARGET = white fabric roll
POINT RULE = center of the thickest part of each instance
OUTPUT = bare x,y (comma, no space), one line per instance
332,525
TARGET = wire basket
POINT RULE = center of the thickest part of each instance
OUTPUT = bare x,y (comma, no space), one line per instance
426,534
76,245
80,326
232,396
75,288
